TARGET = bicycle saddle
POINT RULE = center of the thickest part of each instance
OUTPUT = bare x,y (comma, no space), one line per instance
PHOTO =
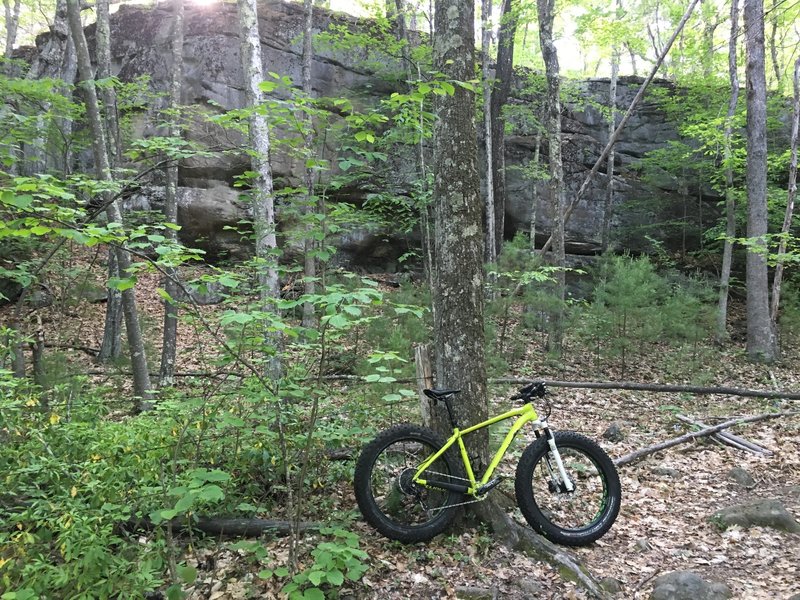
441,394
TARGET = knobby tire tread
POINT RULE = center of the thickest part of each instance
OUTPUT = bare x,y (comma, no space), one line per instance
534,515
363,489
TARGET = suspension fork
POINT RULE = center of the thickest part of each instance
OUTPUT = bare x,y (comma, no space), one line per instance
562,473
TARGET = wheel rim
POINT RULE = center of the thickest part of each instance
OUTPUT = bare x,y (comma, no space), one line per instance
399,500
579,509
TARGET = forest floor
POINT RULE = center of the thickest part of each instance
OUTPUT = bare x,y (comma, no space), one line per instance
668,497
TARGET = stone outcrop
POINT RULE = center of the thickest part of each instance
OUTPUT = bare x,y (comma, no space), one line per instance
141,39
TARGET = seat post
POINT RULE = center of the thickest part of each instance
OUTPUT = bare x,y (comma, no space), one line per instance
450,413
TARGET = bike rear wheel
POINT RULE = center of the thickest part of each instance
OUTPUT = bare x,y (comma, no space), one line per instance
389,500
572,518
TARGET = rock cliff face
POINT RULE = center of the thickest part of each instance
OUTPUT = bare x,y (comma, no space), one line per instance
213,83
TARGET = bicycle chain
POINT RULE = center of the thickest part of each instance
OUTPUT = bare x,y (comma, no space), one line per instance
461,479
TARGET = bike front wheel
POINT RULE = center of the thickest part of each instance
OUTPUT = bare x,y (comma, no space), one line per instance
574,517
385,491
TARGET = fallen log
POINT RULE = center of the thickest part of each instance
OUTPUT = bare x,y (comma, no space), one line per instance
693,435
658,387
224,526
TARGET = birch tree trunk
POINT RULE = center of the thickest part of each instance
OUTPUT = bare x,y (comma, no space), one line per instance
608,206
169,340
111,346
534,189
730,197
502,87
556,181
790,199
141,376
310,262
12,23
458,289
486,42
761,340
262,196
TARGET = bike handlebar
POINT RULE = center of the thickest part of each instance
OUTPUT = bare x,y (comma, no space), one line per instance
535,389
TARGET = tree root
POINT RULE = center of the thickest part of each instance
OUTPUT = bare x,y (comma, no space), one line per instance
523,539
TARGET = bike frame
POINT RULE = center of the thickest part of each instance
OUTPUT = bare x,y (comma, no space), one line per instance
525,414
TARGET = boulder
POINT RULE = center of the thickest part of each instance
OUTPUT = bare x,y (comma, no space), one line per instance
686,585
764,513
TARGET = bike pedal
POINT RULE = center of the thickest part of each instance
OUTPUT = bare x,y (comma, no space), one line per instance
488,487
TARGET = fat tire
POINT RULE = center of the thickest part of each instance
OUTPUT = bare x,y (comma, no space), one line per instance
526,499
372,512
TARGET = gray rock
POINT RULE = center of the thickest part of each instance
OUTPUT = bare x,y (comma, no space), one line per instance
614,432
666,472
530,588
764,513
742,477
468,592
686,585
612,585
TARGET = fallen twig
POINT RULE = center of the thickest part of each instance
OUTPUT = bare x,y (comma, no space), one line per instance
728,438
693,435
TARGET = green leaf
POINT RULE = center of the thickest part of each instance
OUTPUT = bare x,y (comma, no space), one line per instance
188,574
313,594
184,503
281,572
316,577
211,492
335,577
338,321
121,283
266,573
174,592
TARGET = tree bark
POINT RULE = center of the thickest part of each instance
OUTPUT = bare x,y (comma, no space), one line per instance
773,46
608,206
502,87
141,377
486,42
534,189
730,196
790,199
309,260
111,346
458,290
556,181
169,340
262,195
761,340
12,22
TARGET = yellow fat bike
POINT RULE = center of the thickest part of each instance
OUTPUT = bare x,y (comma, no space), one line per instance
410,481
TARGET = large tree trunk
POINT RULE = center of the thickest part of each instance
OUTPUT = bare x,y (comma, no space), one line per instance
262,196
556,181
761,339
169,339
141,376
458,290
790,199
730,196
